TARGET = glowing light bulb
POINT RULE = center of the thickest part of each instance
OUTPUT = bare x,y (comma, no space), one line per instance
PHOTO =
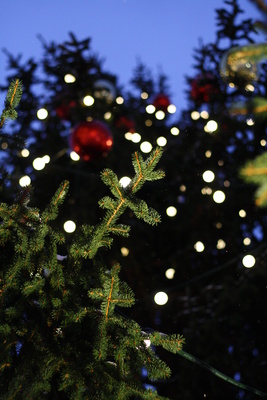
160,115
124,251
25,153
74,156
125,181
250,122
204,114
150,109
144,95
211,126
88,100
69,78
69,226
247,241
263,143
249,87
175,131
195,115
169,273
119,100
146,147
25,181
147,343
135,137
161,141
221,244
218,196
42,113
46,159
242,213
161,298
208,176
128,135
248,261
171,211
199,247
208,153
38,163
171,109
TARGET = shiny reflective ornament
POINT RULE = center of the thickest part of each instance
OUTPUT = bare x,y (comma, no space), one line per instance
104,90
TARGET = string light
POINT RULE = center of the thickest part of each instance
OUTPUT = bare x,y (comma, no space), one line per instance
169,273
144,95
199,247
69,78
74,156
171,211
221,244
248,261
247,241
146,147
125,181
25,181
219,196
135,137
211,126
150,109
161,141
38,163
208,176
171,109
25,153
161,298
204,114
88,100
160,115
119,100
107,115
242,213
124,251
195,115
250,122
42,113
175,131
263,143
128,135
208,153
69,226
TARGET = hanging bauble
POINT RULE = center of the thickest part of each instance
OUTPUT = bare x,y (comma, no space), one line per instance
104,90
161,102
91,140
239,65
125,123
204,88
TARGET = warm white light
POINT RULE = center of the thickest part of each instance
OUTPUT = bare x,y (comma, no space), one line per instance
169,273
25,181
247,241
161,141
211,126
46,159
124,251
242,213
148,122
160,115
128,135
231,85
69,226
161,298
107,115
136,137
146,147
144,95
218,196
69,78
208,176
147,343
199,247
38,163
119,100
150,109
208,153
171,211
221,244
88,101
204,114
263,143
182,188
250,122
25,153
125,181
42,113
248,261
206,190
175,131
74,156
195,115
171,109
249,87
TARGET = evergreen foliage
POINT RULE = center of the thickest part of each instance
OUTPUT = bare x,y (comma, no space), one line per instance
61,333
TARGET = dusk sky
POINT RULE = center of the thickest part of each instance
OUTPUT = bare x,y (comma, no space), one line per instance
162,34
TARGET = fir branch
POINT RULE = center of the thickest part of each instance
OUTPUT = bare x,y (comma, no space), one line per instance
12,100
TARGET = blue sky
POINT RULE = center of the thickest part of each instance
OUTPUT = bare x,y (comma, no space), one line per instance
162,34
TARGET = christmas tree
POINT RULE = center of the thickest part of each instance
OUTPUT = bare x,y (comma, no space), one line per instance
78,121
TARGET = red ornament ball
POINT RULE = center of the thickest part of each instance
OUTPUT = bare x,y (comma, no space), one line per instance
204,88
161,102
91,140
